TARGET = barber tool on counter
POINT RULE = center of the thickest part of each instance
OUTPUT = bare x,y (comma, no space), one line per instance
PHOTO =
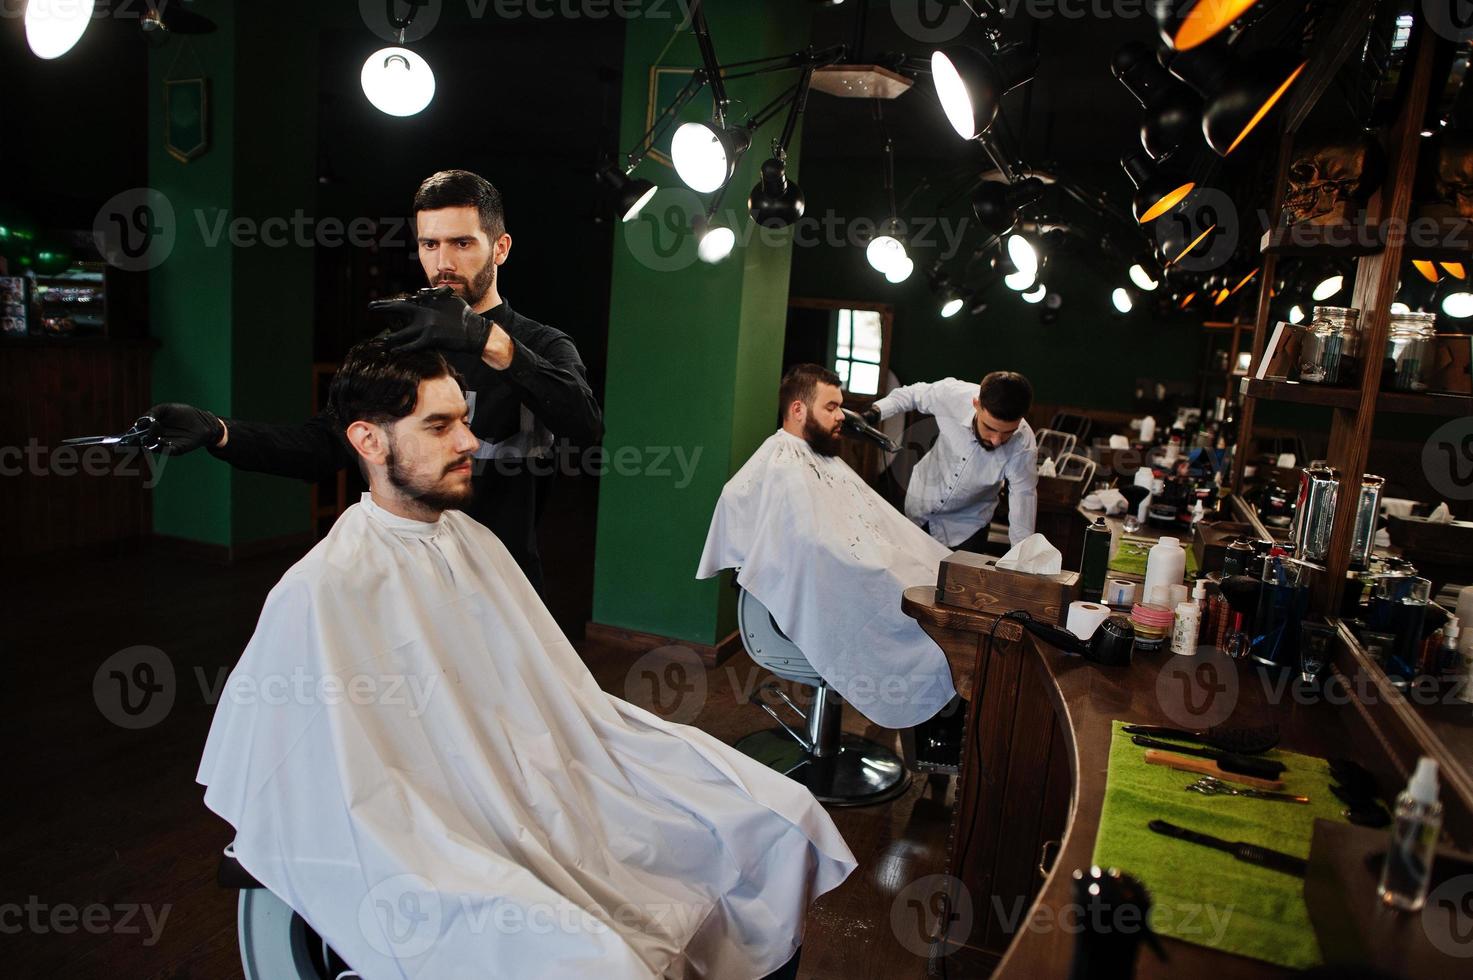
1114,919
1240,765
1212,786
1209,767
1242,740
1263,857
1096,560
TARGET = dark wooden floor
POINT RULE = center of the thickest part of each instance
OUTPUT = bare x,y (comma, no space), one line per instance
111,818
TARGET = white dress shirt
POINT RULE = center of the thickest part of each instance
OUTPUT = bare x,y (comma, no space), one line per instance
953,490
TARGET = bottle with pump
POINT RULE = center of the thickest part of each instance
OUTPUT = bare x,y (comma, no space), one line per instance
1414,829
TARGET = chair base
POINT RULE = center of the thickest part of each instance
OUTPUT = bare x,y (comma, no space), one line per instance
862,773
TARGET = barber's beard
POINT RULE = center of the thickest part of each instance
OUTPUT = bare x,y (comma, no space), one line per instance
824,441
433,494
474,289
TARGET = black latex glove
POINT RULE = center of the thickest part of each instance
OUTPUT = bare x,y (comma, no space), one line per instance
435,318
872,416
181,428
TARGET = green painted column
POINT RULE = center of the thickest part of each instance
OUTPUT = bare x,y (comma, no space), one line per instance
695,350
231,294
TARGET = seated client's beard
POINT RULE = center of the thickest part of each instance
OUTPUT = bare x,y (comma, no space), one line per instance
825,442
431,494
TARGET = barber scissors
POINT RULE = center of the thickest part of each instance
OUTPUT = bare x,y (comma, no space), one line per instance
142,434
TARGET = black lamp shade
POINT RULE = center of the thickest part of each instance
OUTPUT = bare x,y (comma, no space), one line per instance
1173,111
629,194
1160,187
1186,24
775,201
971,84
1235,113
1239,94
996,203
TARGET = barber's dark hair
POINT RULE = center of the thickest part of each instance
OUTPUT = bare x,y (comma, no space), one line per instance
799,383
463,189
379,385
1007,395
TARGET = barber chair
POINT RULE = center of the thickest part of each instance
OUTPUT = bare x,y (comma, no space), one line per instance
275,942
839,768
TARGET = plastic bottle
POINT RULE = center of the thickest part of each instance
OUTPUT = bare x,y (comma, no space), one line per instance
1165,565
1148,430
1414,829
1188,623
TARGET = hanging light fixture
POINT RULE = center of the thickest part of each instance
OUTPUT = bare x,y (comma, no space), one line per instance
1244,281
1024,254
714,242
1159,186
996,203
1185,24
1296,314
1427,269
1036,294
1173,112
1455,269
971,83
1122,300
630,194
1239,94
53,27
1142,278
706,155
1328,288
900,270
952,301
1458,305
397,81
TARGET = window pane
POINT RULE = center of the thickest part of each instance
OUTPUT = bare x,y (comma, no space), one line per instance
864,379
845,333
868,336
842,369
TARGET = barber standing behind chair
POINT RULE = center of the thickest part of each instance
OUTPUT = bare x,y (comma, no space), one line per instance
525,382
984,442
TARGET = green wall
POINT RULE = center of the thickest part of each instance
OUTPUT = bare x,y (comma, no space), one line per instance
235,322
695,350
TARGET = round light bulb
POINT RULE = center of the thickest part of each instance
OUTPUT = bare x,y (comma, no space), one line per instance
1036,295
1020,281
1296,314
900,271
1142,278
1458,305
53,27
1328,287
716,244
699,157
884,253
397,81
1023,254
956,101
952,307
1400,308
1121,299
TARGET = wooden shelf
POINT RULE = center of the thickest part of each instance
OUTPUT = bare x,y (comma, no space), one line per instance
1411,403
1326,240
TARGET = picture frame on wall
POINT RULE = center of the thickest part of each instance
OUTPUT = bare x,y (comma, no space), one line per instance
186,118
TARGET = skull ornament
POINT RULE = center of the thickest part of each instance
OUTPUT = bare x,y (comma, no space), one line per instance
1453,185
1329,183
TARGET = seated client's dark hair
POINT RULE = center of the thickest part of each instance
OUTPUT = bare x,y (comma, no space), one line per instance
1007,395
376,384
799,383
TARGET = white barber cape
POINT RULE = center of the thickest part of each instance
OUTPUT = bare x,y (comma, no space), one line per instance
416,760
829,558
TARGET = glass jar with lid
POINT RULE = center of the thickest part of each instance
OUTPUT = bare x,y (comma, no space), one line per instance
1410,346
1331,348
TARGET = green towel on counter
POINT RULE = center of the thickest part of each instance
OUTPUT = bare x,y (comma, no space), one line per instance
1131,554
1202,895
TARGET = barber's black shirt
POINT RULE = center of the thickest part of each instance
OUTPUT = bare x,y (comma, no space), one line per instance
516,413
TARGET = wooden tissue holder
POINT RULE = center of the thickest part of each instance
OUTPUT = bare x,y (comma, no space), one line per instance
973,581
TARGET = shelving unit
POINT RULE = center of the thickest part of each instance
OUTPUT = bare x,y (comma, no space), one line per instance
1353,410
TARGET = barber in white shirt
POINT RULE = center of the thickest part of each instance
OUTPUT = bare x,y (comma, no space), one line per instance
984,442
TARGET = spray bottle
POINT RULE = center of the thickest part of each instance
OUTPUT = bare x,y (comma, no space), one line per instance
1414,829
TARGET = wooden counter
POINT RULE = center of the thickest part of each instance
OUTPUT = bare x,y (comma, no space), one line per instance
1034,773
